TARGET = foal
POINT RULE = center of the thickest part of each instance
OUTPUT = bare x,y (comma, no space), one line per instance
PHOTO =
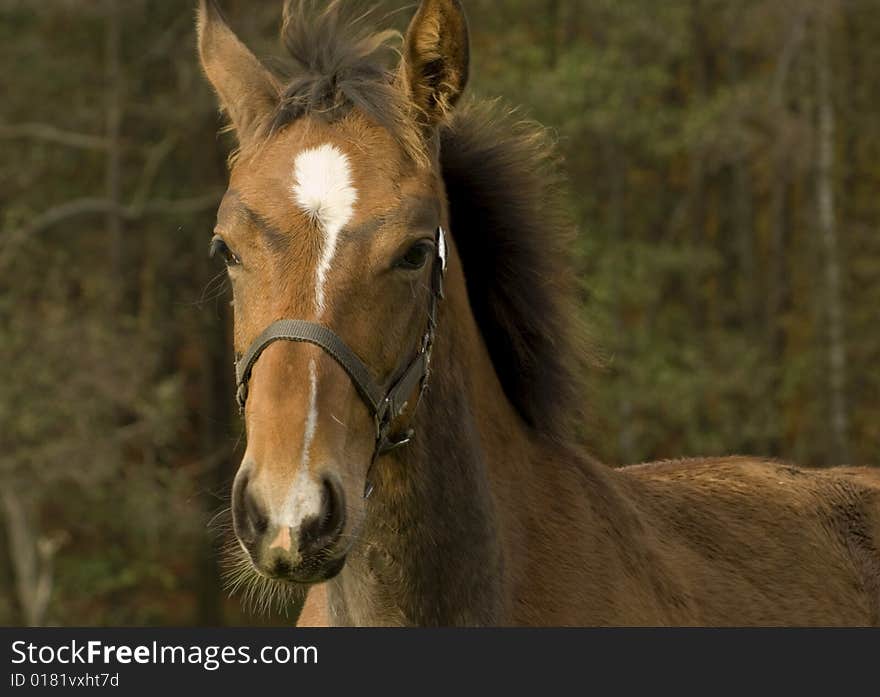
413,244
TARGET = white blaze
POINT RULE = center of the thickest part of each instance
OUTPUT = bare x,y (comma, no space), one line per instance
304,500
323,189
312,417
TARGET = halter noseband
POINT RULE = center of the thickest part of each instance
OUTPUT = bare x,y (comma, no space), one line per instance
385,403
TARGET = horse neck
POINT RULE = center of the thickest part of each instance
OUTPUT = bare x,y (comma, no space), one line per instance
429,552
450,515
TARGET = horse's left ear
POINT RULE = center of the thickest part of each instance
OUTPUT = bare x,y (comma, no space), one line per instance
435,58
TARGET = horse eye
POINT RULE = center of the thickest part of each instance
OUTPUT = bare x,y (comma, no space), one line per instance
219,247
416,256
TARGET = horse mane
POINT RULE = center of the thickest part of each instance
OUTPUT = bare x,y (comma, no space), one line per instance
504,191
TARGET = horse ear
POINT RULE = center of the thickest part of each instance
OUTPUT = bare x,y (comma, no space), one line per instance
248,92
435,58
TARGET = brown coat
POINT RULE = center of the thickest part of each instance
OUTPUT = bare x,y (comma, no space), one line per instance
493,514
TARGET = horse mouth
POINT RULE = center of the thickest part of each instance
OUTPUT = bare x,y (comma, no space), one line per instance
305,574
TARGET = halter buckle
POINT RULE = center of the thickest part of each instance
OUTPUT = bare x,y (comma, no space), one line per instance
392,444
241,395
382,418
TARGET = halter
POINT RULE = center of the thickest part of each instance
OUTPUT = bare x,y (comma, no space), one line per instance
385,403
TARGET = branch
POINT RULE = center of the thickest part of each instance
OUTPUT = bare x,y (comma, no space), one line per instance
156,155
181,206
786,57
65,211
91,206
45,132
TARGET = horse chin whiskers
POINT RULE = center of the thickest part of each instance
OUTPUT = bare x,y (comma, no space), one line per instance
260,594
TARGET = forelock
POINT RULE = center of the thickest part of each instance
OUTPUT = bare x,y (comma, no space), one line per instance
340,63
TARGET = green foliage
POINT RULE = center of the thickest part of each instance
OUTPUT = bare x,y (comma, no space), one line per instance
688,131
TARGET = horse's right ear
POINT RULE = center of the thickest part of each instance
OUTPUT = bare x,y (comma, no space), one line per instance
248,92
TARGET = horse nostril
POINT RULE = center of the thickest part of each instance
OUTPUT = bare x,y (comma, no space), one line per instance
323,530
255,514
248,517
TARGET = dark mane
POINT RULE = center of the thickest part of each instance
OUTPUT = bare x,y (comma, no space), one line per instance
504,194
504,191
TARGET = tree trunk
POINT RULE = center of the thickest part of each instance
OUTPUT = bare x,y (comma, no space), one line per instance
697,189
113,170
744,223
828,229
32,558
626,446
780,221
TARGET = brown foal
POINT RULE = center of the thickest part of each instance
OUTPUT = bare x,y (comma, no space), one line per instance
491,515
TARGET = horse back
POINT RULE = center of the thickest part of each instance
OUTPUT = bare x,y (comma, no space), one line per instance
763,542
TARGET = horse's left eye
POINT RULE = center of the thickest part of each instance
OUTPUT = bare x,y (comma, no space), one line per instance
416,256
219,247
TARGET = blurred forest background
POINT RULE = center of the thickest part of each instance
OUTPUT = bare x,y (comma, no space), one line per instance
724,159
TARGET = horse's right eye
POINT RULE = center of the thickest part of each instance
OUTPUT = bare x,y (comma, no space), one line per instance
219,247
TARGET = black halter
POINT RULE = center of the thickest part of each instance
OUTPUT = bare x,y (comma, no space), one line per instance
385,403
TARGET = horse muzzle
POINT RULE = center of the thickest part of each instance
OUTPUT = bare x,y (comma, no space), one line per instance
300,545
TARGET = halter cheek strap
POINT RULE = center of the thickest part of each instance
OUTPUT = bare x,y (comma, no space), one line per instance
385,403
